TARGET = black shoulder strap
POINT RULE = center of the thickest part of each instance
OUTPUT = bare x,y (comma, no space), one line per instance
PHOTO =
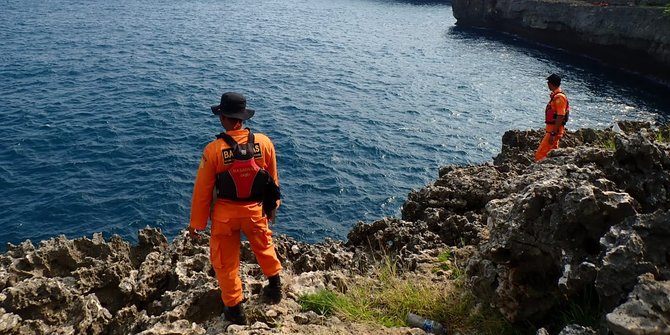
231,142
251,138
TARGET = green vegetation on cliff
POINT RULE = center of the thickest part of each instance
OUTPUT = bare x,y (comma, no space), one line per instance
393,293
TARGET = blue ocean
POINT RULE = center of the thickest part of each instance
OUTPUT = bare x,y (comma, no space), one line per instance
104,106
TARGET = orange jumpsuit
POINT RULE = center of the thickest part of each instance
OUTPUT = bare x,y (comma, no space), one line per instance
229,217
558,103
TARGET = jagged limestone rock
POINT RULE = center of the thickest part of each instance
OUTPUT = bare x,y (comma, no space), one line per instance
647,310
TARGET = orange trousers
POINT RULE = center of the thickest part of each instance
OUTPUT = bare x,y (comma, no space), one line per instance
225,253
546,146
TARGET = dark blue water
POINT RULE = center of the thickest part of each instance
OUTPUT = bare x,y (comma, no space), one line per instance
104,105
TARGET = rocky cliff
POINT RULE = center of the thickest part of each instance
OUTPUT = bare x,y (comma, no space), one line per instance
586,229
634,35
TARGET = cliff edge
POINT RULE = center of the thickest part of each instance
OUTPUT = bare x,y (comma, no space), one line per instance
585,230
634,35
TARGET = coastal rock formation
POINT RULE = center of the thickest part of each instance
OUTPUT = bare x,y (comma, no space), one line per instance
93,286
613,31
588,226
581,226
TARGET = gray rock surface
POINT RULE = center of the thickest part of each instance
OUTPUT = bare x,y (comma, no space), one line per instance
592,217
647,310
577,330
584,219
93,286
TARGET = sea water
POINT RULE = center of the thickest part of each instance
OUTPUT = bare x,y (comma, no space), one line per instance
104,106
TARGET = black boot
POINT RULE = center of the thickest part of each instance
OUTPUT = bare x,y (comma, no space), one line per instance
235,314
273,290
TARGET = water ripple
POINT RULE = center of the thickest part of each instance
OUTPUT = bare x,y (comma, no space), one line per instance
104,106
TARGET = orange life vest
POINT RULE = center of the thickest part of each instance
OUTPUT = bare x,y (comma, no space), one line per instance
550,114
244,179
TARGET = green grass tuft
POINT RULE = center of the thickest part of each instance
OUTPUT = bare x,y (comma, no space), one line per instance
608,144
446,264
582,308
387,299
660,137
322,302
444,256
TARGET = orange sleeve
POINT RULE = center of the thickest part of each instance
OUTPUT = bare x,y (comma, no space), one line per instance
560,104
202,190
271,162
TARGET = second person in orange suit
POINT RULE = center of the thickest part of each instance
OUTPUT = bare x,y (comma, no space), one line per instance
556,116
230,216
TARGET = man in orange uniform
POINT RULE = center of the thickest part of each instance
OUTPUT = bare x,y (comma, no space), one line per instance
229,217
556,115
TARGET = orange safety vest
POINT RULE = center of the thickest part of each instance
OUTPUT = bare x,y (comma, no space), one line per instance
216,159
245,180
551,114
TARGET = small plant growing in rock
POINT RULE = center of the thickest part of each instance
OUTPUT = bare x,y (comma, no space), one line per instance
660,137
583,309
446,264
608,144
444,259
444,256
666,10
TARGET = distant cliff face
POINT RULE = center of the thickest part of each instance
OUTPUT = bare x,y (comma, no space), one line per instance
633,36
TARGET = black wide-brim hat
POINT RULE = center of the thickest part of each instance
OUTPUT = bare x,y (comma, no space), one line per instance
233,105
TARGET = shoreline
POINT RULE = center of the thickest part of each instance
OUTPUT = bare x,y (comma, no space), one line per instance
630,37
661,84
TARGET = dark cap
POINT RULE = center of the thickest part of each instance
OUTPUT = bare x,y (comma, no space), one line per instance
554,79
233,105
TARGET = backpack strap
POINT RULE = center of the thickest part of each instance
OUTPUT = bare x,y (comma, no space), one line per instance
251,138
231,142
